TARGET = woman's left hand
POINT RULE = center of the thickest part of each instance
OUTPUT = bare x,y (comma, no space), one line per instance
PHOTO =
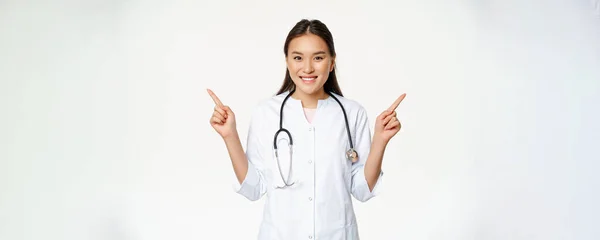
387,124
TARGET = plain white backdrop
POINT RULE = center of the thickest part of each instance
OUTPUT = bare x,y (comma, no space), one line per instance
104,114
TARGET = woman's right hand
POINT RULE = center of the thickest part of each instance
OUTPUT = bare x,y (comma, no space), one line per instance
222,119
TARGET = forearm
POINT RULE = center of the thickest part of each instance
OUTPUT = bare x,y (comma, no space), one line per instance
373,164
238,156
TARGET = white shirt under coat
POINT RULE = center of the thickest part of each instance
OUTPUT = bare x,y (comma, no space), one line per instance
319,204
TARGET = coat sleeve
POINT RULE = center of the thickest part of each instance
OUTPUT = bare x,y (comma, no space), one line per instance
360,188
254,185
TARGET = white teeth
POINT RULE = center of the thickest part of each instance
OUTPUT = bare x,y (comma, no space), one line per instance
308,79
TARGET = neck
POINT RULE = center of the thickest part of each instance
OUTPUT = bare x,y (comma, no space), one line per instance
310,100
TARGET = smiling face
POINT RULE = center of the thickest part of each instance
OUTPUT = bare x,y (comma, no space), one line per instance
309,63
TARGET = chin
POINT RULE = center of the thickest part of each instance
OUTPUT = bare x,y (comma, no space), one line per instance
309,90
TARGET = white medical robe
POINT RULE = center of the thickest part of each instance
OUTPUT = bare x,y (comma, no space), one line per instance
318,205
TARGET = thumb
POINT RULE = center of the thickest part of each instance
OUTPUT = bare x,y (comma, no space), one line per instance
227,109
384,114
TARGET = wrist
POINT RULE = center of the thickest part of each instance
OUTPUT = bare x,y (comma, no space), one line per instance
232,137
379,143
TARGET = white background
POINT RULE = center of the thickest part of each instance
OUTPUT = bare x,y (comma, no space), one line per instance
104,115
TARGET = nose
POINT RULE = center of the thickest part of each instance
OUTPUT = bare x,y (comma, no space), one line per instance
308,67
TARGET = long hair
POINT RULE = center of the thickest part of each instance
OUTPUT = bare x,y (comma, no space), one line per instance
318,28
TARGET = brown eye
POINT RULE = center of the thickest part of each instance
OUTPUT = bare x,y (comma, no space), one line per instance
319,58
297,58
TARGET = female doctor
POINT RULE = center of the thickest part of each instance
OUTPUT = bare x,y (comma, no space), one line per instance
309,148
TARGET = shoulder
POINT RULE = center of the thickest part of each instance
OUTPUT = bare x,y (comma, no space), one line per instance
268,105
357,114
352,106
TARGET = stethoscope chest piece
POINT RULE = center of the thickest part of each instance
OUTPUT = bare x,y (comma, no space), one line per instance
352,155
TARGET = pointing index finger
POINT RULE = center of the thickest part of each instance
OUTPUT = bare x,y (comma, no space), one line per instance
397,102
214,97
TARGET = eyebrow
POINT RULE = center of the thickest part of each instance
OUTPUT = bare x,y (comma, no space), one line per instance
299,53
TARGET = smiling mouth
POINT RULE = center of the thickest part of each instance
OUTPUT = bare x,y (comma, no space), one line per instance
308,78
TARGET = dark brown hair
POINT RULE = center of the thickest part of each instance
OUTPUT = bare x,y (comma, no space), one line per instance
318,28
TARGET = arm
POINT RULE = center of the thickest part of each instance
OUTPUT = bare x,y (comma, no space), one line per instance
249,166
366,172
238,156
373,164
386,127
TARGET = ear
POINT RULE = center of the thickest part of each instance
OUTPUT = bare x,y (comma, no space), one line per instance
332,64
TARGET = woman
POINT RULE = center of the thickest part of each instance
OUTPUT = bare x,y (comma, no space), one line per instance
310,178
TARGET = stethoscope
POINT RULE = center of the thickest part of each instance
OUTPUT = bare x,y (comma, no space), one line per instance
351,154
